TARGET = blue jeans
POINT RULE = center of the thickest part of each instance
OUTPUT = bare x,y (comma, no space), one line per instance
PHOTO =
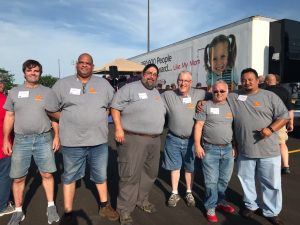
177,152
5,182
38,146
75,158
268,173
217,166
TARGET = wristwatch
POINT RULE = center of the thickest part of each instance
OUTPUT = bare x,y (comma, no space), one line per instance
270,128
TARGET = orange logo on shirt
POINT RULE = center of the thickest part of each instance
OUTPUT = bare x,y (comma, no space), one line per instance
190,105
92,90
228,115
38,98
157,98
257,104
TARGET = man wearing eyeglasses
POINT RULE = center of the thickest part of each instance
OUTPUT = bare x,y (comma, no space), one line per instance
81,104
179,146
214,126
258,114
139,116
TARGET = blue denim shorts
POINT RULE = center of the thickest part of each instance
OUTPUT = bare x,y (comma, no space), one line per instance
75,159
38,146
177,152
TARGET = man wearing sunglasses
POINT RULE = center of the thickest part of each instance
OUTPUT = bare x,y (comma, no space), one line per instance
179,146
214,126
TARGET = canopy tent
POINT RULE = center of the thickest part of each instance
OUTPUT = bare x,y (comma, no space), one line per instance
124,66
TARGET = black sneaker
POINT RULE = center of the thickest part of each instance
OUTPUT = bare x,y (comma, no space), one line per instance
67,219
285,170
247,213
275,220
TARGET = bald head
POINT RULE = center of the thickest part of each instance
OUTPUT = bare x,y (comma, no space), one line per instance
271,80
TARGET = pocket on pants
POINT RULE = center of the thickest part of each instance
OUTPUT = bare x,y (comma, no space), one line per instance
125,170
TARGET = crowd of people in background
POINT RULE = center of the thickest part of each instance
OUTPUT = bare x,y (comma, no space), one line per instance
249,125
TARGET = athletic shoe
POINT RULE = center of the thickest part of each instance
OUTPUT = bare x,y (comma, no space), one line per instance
8,210
16,218
190,200
109,213
174,198
52,214
211,215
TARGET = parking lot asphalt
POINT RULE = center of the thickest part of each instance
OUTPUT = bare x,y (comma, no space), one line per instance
86,206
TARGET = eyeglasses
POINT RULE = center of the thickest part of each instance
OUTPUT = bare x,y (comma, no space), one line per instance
217,91
184,81
151,74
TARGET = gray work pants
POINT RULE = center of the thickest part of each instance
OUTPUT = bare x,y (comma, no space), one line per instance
138,163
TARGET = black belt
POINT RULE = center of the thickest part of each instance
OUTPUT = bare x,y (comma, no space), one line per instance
139,134
179,136
219,145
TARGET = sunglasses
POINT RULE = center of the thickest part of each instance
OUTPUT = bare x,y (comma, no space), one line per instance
217,91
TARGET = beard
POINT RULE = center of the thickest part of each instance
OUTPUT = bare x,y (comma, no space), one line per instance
149,83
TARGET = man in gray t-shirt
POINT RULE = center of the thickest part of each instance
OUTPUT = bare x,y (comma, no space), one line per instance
258,114
27,118
214,126
179,146
139,115
81,104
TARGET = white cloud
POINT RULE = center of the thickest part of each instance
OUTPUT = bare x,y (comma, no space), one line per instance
62,29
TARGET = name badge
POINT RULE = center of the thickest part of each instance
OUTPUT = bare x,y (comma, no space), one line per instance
75,91
23,94
143,95
186,100
242,98
215,111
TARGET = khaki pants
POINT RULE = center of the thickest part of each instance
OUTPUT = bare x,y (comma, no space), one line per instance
138,164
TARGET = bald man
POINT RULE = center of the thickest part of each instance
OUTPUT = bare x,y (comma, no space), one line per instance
272,81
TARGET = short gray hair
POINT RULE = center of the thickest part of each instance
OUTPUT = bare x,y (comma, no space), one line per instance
221,82
184,71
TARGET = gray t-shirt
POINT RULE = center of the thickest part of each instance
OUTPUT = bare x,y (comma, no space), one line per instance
83,120
181,110
218,119
142,110
252,113
28,105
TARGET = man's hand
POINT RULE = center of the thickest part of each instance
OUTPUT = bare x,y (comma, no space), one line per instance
55,144
265,132
200,105
290,126
6,147
119,135
199,152
234,152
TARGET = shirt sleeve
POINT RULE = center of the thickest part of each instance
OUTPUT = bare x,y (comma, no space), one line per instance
9,105
121,98
52,99
201,115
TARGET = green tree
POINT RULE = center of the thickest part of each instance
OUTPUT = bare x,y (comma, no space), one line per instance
7,78
48,80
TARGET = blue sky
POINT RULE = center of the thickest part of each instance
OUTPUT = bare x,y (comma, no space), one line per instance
59,30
